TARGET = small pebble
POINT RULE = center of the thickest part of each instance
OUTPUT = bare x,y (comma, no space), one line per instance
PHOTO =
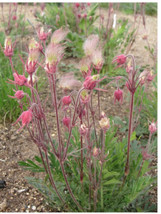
33,208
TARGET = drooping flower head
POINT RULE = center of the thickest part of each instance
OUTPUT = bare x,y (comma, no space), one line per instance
84,96
97,59
33,45
90,82
8,48
150,76
25,117
66,100
143,77
66,121
104,123
90,44
58,36
153,127
32,61
84,66
118,95
18,95
42,35
120,60
14,18
19,80
83,130
53,55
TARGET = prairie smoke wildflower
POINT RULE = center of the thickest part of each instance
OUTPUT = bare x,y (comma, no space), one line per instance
79,16
83,130
58,36
84,15
77,5
66,100
14,18
68,82
33,45
143,77
150,76
84,97
90,44
19,80
153,127
84,66
25,117
104,123
66,122
118,95
97,60
53,55
90,82
120,60
88,3
42,35
96,151
18,95
32,61
145,154
8,49
102,114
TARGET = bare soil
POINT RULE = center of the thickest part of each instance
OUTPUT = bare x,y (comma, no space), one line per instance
18,195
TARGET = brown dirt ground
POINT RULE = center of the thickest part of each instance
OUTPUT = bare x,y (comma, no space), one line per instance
15,146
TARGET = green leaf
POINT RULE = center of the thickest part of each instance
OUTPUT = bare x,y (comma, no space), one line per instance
112,181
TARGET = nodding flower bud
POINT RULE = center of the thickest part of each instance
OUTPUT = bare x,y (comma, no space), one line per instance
34,80
90,82
58,36
97,60
66,122
33,45
85,16
102,114
66,100
53,55
79,16
150,76
118,95
25,117
42,35
18,95
84,96
32,61
96,151
90,44
84,66
143,77
77,5
14,18
83,130
104,123
19,79
120,60
153,127
88,3
8,49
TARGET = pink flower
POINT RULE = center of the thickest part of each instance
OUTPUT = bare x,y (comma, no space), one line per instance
8,49
90,44
88,3
77,5
85,16
18,95
34,45
84,66
97,60
79,16
42,35
32,61
84,97
120,60
83,130
66,122
143,77
59,35
153,127
104,123
14,18
66,100
118,95
150,76
145,154
19,80
53,55
90,82
25,117
96,151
